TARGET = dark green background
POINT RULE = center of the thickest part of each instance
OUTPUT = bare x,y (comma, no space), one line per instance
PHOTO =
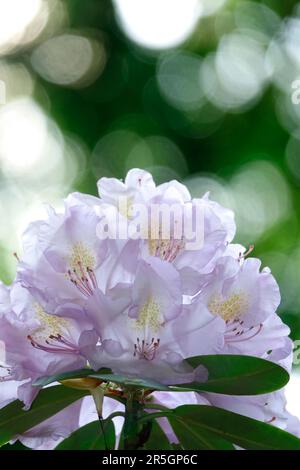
126,97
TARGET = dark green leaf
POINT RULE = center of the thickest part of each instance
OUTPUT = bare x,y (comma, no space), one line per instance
191,438
74,374
102,374
14,420
157,440
199,421
237,375
16,446
177,446
130,381
91,437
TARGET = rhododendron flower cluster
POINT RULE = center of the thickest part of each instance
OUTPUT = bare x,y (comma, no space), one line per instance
138,306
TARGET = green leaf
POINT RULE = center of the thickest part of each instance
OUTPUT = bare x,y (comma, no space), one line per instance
105,375
193,423
131,382
14,420
228,374
157,440
191,438
177,446
74,374
203,440
16,446
237,375
90,437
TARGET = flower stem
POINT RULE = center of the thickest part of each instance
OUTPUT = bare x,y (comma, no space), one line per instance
131,438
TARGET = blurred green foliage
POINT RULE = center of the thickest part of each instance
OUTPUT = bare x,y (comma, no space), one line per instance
123,119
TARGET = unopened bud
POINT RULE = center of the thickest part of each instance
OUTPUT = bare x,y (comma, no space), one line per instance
84,383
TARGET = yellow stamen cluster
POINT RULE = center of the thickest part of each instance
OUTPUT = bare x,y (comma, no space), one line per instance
229,309
160,245
81,255
149,316
50,324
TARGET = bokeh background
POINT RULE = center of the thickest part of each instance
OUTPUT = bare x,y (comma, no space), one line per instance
197,90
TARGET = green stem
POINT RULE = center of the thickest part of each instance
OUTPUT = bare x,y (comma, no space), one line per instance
131,428
116,414
138,425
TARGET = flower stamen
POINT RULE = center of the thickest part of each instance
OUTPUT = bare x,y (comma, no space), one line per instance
166,249
146,350
81,272
247,253
48,336
271,420
64,346
230,308
239,334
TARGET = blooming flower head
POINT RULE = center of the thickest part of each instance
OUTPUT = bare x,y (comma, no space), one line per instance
39,342
63,258
139,335
188,233
142,304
